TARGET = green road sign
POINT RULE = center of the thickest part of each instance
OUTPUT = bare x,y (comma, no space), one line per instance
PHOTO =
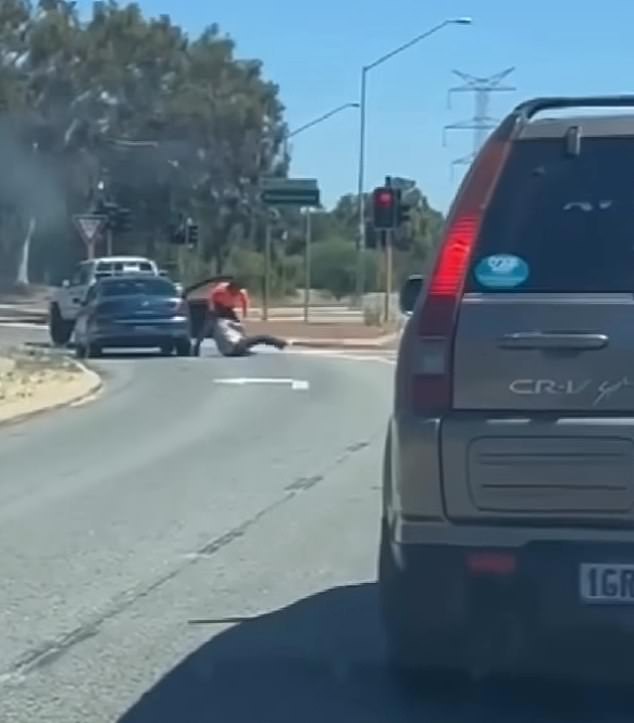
290,192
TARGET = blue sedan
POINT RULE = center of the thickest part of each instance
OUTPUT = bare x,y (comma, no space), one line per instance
133,312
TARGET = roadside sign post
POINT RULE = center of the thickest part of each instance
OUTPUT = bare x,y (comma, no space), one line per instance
90,226
307,270
290,192
299,192
267,272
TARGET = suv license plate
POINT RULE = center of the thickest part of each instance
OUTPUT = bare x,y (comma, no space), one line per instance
605,583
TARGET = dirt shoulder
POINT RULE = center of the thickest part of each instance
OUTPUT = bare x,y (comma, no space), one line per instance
33,381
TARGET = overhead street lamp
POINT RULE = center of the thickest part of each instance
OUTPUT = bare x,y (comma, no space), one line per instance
308,228
317,121
362,131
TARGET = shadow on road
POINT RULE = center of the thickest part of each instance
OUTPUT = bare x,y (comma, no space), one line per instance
321,659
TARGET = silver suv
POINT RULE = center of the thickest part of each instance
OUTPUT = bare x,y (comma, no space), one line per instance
508,505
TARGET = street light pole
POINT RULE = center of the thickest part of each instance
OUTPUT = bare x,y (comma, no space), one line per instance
360,288
360,285
316,121
308,226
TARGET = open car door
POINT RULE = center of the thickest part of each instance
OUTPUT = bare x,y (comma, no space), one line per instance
197,296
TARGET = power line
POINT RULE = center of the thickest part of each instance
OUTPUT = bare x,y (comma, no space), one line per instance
481,122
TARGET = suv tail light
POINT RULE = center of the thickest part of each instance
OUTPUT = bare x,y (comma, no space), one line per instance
432,378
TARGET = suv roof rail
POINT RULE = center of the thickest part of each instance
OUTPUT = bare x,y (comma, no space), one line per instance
530,108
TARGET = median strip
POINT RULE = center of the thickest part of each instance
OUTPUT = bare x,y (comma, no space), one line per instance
34,381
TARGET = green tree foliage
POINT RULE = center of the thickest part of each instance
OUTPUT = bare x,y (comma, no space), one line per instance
335,250
78,98
128,108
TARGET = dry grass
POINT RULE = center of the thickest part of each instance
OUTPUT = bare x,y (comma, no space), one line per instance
25,373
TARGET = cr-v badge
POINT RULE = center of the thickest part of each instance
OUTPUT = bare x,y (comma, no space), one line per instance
535,387
569,387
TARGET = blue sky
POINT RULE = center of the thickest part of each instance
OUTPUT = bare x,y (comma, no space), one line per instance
314,52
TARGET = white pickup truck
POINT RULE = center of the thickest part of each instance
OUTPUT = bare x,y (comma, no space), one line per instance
68,298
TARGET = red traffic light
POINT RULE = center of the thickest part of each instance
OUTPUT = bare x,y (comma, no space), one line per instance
384,208
384,198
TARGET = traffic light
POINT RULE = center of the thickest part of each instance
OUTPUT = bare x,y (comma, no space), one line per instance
384,208
118,217
177,235
191,233
123,219
183,232
108,209
403,210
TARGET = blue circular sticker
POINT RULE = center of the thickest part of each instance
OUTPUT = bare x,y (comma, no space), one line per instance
501,271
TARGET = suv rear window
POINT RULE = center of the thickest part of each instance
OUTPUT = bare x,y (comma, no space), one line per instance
134,287
570,218
119,267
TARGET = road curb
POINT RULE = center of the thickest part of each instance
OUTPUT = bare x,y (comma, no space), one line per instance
347,344
93,389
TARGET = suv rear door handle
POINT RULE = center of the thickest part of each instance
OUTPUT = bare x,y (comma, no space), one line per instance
558,340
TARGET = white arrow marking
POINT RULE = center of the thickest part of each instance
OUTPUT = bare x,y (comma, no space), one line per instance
295,384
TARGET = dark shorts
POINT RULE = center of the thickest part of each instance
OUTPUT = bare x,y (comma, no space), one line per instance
224,312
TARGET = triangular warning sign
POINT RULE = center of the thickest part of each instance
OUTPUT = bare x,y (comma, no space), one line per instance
89,226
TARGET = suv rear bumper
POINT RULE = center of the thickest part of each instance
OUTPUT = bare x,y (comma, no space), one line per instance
545,579
536,603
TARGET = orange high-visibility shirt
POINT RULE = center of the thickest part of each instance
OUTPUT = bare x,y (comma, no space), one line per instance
222,296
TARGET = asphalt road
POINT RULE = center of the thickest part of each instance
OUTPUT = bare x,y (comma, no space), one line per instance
187,550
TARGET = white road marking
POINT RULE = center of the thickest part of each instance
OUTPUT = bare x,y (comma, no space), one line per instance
21,325
300,385
295,384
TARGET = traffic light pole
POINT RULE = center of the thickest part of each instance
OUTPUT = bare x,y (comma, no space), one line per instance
380,253
109,241
388,274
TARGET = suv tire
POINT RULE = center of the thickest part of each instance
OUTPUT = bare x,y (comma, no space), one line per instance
410,647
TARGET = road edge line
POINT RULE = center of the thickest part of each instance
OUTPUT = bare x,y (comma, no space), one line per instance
378,344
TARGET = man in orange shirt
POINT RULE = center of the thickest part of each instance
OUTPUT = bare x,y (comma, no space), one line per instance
223,300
